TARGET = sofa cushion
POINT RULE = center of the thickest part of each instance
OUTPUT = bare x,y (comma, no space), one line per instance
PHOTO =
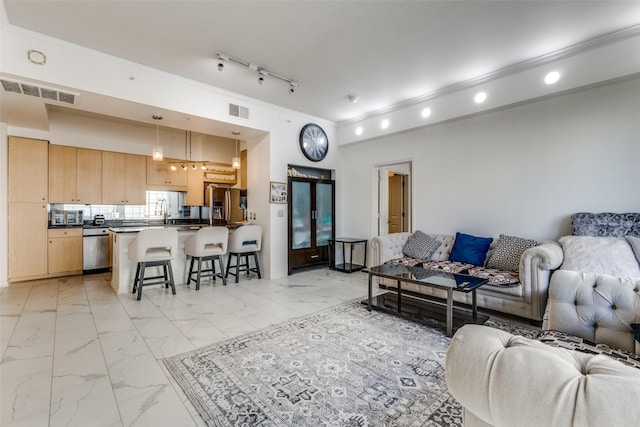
507,252
572,342
603,255
448,266
635,245
496,277
420,246
470,249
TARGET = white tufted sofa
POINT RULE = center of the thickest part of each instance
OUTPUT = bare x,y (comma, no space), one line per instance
526,300
506,380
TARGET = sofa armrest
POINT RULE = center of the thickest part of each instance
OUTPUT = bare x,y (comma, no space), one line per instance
508,380
536,266
387,247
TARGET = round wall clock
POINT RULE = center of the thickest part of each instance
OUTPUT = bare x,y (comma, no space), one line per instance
314,142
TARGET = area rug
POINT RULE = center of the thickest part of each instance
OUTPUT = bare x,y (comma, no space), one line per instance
345,366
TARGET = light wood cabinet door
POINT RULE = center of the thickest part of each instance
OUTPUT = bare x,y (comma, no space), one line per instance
161,177
113,178
28,170
62,174
89,176
195,187
65,250
27,240
124,179
135,189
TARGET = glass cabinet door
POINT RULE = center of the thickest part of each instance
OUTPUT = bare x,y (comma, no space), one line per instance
324,213
301,215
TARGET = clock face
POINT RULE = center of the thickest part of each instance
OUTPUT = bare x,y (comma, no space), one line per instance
314,142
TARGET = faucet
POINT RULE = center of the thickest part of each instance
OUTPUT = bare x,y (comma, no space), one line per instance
161,209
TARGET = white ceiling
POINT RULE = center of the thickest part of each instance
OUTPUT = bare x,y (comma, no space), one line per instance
386,52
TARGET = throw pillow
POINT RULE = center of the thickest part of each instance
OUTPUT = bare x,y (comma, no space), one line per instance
470,249
420,246
636,329
602,255
507,252
635,245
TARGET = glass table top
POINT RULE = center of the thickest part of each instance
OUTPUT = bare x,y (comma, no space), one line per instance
419,275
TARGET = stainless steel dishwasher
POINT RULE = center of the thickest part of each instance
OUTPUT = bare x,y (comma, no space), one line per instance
95,249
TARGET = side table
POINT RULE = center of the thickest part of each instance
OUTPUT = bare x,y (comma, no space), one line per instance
348,266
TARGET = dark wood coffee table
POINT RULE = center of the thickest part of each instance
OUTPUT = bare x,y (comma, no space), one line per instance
450,282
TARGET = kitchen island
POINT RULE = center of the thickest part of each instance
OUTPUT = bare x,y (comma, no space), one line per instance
123,270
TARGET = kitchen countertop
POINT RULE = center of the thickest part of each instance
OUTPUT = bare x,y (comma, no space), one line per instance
138,228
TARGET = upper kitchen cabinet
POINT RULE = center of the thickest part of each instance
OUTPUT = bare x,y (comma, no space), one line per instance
27,170
75,175
161,177
124,179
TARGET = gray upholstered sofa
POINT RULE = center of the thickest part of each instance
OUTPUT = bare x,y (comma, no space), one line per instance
526,297
506,380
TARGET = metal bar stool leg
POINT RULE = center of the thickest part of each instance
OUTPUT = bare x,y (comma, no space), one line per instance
222,274
173,285
189,277
199,273
255,258
142,267
135,280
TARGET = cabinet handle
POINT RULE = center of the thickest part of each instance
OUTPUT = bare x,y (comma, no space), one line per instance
315,256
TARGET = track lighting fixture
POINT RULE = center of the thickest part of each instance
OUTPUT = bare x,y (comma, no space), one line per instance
184,167
254,67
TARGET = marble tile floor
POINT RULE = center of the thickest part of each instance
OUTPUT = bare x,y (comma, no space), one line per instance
76,354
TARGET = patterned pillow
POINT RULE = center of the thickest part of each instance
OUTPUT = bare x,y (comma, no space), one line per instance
420,246
507,252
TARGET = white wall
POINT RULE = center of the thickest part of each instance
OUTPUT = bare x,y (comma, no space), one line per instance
521,171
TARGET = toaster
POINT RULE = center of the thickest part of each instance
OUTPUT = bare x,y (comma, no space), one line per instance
98,220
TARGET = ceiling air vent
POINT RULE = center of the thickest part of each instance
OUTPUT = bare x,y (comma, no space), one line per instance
39,92
238,111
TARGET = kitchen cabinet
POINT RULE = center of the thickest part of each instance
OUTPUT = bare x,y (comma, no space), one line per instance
195,187
124,179
75,175
27,170
161,177
311,221
243,169
27,240
65,250
27,208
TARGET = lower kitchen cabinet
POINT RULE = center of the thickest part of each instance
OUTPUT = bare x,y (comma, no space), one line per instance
65,250
27,240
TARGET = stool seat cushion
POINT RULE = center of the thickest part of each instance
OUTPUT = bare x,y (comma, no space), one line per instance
208,241
154,244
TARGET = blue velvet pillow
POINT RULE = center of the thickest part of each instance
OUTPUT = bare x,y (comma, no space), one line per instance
636,329
470,249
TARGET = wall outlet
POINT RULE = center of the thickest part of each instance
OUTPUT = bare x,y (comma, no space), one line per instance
115,215
280,213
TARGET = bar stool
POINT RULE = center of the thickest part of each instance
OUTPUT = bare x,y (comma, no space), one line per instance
154,248
246,240
208,244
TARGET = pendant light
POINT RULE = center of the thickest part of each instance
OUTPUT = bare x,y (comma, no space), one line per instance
235,162
157,151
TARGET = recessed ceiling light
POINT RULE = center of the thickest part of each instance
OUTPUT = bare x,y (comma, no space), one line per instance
552,77
480,97
384,124
359,130
36,57
426,112
352,98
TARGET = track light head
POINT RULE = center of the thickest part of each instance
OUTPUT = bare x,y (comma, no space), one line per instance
291,89
220,66
260,80
184,167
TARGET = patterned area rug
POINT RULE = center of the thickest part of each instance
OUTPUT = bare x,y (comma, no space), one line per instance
341,367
